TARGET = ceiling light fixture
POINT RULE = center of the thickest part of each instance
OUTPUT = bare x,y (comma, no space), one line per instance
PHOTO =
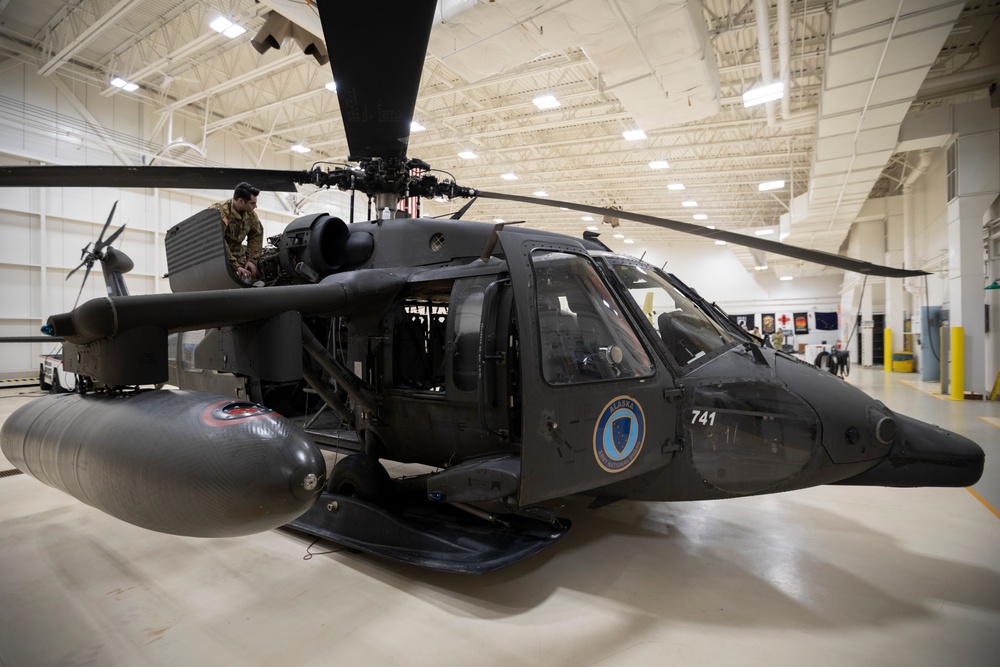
332,87
629,241
634,135
546,102
591,228
720,243
700,216
227,27
416,127
771,185
760,268
586,218
498,219
299,148
675,186
619,236
509,177
763,232
760,94
541,193
786,278
127,86
659,164
467,155
689,203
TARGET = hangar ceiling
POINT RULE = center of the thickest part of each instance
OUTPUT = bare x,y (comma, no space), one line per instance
674,69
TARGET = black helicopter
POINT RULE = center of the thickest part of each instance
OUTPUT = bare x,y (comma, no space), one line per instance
512,367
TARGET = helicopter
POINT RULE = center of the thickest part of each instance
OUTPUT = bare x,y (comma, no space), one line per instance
503,368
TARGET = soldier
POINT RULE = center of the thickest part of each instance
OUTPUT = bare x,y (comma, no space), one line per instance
240,221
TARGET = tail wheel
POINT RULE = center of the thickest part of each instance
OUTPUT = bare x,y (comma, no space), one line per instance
362,477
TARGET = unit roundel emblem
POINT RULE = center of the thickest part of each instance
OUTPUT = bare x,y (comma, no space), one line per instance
619,434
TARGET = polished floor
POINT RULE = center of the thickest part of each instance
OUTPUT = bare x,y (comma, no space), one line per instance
825,576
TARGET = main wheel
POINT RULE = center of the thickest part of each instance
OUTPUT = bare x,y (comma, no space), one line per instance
823,361
362,477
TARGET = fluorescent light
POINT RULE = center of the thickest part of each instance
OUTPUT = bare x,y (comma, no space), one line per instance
633,135
299,148
563,208
227,27
700,216
629,241
498,219
467,155
763,232
689,203
710,226
586,218
591,228
760,268
509,177
546,102
720,243
119,82
332,87
619,236
675,186
771,185
541,193
659,164
786,278
414,125
220,24
761,94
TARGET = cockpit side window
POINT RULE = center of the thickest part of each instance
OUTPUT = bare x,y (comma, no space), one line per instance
686,330
583,333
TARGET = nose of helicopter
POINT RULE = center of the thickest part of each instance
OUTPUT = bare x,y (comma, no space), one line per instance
923,454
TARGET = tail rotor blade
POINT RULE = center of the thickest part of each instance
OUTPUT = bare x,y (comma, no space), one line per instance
84,282
78,266
114,236
106,224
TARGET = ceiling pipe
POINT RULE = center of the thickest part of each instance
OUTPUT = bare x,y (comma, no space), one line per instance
762,15
784,57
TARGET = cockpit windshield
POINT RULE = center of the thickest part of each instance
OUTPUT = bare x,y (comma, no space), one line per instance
688,332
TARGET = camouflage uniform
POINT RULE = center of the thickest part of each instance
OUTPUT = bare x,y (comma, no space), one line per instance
241,225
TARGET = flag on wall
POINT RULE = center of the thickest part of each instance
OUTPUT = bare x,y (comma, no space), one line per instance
745,321
826,321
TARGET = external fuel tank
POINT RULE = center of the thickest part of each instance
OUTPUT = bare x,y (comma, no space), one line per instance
179,462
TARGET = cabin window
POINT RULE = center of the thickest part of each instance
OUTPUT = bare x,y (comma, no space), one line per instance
688,333
468,314
419,338
583,333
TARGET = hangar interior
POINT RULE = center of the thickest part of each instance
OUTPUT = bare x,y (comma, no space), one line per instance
884,146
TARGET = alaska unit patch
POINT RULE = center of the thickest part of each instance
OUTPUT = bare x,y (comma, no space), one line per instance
619,434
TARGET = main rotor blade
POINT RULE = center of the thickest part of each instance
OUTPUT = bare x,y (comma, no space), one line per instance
377,54
815,256
209,178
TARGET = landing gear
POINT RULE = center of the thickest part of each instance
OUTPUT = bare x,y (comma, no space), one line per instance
363,477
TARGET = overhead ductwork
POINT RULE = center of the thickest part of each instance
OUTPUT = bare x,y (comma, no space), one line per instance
878,57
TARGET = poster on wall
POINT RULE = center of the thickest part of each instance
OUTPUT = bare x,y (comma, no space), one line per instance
826,321
783,321
801,323
745,321
767,323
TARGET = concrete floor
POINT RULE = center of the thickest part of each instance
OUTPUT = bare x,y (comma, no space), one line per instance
828,576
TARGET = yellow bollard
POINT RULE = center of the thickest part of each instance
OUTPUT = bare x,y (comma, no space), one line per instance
957,364
887,350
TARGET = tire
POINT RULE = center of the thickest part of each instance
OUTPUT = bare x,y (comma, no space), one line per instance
823,361
56,387
42,384
362,477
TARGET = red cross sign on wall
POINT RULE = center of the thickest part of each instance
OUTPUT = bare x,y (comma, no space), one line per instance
784,319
